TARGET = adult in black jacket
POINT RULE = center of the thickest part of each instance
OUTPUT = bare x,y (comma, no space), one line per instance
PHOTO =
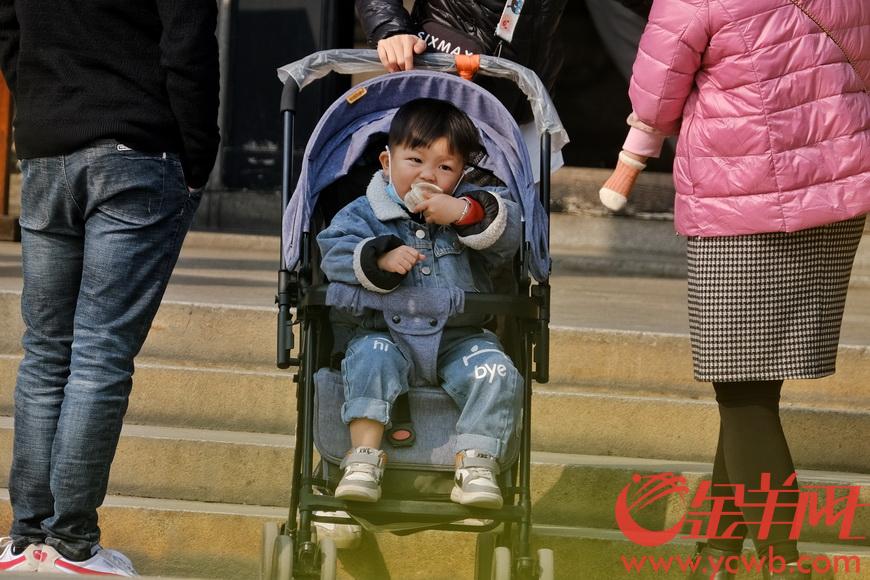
116,128
639,7
470,25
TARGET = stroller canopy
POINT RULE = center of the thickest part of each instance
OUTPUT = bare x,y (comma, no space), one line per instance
343,132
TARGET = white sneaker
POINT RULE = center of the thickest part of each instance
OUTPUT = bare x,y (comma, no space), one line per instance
103,563
475,484
26,561
363,468
345,536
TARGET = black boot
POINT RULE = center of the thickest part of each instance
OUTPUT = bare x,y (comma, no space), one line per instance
706,553
790,573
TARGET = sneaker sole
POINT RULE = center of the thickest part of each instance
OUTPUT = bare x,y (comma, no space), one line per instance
351,493
477,499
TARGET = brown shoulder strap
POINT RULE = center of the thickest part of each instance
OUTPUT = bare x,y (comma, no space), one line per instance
824,29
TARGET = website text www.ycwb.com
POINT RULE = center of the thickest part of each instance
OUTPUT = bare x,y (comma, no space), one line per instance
806,565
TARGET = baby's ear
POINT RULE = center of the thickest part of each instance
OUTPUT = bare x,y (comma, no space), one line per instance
384,158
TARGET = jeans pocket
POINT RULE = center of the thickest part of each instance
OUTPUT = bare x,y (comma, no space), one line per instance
36,192
137,187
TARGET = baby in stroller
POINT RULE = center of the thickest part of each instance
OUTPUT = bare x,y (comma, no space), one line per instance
420,228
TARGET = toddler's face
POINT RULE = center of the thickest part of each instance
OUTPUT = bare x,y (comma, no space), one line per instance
434,164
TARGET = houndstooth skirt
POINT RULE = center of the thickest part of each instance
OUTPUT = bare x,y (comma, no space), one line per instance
769,306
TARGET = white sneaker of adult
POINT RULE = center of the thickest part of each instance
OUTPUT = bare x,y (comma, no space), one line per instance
103,563
345,536
25,561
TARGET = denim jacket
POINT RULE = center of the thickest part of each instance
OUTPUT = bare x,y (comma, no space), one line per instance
455,256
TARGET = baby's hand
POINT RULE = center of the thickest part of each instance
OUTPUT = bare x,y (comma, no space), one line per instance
400,260
441,209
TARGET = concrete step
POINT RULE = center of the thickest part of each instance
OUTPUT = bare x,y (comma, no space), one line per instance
606,361
255,398
180,538
651,363
575,190
609,423
214,336
217,267
254,469
202,540
196,396
185,331
616,246
677,428
571,490
192,464
601,421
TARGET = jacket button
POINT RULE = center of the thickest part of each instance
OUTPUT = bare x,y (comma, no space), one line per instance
433,322
420,234
426,270
397,319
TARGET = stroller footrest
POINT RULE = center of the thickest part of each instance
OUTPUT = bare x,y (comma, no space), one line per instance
411,510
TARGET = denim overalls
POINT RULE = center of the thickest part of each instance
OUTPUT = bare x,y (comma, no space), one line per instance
471,365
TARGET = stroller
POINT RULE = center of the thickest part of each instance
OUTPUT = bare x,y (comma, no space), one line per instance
416,485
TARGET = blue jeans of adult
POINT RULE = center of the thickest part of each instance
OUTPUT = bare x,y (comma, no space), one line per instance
472,367
101,230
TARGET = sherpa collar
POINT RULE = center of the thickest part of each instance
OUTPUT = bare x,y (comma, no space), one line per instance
385,209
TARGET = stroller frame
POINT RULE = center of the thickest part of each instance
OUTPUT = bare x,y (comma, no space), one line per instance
293,550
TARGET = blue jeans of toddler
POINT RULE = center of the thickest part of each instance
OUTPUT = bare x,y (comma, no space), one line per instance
472,367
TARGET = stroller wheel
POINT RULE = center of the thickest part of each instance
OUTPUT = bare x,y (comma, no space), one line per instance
546,564
501,563
483,556
283,558
267,549
328,559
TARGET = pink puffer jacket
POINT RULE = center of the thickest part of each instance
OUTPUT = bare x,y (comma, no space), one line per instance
774,120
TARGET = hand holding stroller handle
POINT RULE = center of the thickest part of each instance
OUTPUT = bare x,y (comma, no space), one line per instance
354,61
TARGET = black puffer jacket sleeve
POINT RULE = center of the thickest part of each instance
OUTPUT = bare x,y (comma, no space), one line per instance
640,7
383,18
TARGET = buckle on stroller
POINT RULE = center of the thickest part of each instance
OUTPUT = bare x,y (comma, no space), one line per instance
401,433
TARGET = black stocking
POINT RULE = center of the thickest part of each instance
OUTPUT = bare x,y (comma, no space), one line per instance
751,442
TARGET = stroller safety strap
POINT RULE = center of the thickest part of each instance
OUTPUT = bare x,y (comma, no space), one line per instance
364,455
471,462
415,317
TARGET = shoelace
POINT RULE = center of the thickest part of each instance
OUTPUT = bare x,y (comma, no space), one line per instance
479,473
362,468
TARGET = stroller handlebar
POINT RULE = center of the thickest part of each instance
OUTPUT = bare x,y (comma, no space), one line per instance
356,61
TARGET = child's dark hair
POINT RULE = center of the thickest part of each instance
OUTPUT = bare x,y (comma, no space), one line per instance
421,122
